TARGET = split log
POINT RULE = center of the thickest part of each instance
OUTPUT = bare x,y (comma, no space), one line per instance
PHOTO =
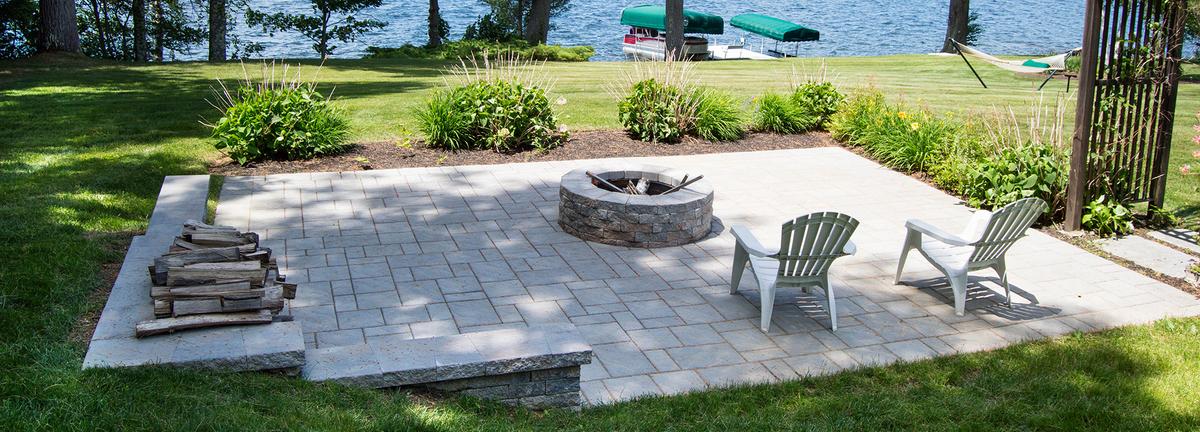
193,226
289,291
169,292
208,273
270,299
170,325
162,308
214,275
219,238
181,245
159,271
263,255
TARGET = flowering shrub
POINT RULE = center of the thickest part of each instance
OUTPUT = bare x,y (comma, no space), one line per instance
911,141
1187,169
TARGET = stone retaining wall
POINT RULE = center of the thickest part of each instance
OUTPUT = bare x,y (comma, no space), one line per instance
546,388
536,366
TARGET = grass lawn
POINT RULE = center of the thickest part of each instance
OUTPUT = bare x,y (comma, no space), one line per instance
84,146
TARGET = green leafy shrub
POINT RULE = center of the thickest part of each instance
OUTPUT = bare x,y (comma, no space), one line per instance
280,120
716,115
1107,217
808,107
900,139
776,113
469,48
501,115
659,112
1019,172
911,142
859,114
817,101
960,158
654,111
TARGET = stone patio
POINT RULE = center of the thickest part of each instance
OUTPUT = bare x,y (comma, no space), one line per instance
416,253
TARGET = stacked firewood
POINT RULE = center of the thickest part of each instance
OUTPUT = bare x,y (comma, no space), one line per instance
214,276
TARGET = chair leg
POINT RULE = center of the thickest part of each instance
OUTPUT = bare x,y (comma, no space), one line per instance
911,241
832,304
768,306
740,259
958,282
1003,272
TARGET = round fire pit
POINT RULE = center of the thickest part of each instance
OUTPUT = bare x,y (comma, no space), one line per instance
635,205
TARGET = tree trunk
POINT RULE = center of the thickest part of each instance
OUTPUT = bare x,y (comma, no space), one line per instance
139,30
674,48
323,42
435,24
217,25
159,31
537,26
59,30
101,23
956,25
519,17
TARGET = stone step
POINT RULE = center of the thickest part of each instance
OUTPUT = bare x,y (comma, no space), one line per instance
1182,238
1153,255
533,366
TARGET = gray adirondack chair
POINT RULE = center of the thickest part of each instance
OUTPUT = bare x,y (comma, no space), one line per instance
981,245
808,246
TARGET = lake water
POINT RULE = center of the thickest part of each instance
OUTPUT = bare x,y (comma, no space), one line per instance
848,27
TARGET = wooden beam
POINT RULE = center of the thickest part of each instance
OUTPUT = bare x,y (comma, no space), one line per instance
1080,143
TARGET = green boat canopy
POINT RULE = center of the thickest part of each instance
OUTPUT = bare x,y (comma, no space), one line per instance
774,28
655,17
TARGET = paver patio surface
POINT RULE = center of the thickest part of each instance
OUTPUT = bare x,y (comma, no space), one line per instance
415,253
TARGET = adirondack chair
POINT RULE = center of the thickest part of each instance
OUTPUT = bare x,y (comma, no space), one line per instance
808,246
982,244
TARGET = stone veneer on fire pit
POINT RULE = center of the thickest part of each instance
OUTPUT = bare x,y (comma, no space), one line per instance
591,213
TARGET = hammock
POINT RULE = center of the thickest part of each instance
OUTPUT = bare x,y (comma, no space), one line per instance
1052,64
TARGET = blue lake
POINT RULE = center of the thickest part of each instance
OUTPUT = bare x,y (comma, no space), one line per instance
848,27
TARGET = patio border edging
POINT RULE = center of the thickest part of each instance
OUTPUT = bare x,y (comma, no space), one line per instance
537,366
278,345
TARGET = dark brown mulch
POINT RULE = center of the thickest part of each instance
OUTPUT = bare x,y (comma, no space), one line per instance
582,145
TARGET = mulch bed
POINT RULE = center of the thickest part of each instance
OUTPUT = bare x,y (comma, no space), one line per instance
582,145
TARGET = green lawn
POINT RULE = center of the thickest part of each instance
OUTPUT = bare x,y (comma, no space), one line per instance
84,146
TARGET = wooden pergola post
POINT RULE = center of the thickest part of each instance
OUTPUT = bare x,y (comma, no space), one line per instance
1080,143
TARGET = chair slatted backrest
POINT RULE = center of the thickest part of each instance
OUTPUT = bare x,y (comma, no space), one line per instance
810,243
1006,227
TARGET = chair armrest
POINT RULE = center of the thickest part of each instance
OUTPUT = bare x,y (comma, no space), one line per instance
746,240
850,248
932,231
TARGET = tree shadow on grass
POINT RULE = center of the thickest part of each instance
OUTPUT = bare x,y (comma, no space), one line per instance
56,209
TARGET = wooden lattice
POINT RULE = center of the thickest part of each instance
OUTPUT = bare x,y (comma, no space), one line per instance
1129,76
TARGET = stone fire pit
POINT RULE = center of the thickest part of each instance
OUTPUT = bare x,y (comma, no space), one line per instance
591,211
